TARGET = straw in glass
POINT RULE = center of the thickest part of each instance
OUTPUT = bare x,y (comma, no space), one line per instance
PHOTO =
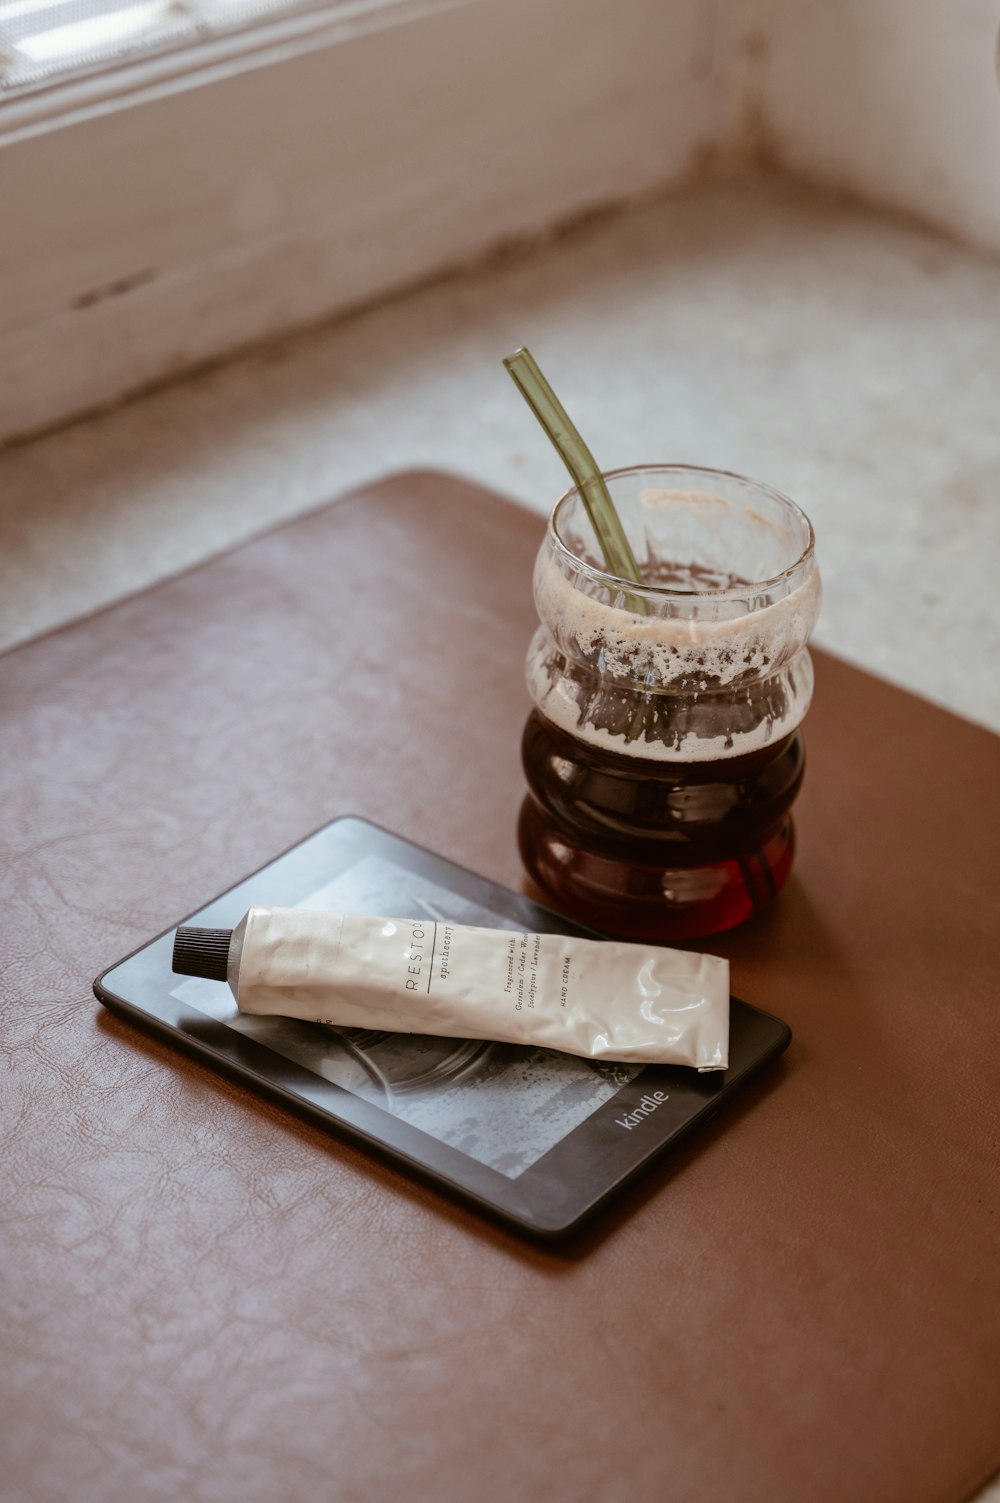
618,556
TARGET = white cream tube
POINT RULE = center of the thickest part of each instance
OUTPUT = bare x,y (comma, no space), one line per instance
600,999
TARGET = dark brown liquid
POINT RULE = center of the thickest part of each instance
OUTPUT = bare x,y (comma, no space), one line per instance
656,850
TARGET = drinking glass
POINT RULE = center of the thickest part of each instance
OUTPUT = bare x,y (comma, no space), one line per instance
663,753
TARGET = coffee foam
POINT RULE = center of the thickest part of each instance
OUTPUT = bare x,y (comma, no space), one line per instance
693,657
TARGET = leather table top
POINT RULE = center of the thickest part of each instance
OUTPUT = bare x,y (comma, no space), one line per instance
205,1298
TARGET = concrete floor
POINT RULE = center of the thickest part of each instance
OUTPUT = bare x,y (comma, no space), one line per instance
849,359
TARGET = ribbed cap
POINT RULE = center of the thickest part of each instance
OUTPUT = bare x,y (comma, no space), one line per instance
202,952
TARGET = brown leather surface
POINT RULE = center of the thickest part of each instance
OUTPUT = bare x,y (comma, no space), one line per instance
205,1299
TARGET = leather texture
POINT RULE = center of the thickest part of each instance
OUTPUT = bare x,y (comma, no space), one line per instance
204,1298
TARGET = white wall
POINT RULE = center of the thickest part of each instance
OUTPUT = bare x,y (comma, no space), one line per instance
140,241
894,100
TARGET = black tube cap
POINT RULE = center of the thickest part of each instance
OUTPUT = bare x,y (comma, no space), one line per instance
202,952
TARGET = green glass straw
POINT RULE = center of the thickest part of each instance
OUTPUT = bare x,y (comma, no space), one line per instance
536,391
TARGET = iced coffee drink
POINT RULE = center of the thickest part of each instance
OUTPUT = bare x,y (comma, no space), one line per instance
664,753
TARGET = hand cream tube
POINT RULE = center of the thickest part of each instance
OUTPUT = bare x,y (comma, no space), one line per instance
600,999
